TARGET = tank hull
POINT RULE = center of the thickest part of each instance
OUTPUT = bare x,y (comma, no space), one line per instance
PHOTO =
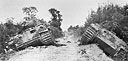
106,40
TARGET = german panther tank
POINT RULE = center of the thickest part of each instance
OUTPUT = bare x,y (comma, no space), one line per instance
106,40
35,36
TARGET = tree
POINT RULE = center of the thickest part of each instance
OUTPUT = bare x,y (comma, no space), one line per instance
56,18
55,23
30,20
30,11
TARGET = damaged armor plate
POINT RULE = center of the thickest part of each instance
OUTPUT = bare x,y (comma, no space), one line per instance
106,40
36,36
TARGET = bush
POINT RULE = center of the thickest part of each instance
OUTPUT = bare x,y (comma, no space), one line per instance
56,32
8,30
77,30
112,17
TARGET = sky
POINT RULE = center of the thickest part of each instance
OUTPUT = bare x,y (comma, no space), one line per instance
74,12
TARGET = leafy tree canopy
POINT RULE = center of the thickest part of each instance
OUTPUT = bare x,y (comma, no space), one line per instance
56,18
30,11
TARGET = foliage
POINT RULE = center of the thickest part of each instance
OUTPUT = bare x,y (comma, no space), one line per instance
111,17
55,32
31,19
56,18
8,30
30,11
76,30
71,28
55,23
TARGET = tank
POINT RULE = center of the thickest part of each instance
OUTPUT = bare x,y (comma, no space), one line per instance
106,40
35,36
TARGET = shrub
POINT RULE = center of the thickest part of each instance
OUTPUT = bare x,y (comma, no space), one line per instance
112,17
56,32
8,30
77,30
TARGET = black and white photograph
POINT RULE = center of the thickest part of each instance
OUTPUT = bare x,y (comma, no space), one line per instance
63,30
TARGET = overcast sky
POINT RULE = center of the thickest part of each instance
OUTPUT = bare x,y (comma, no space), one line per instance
74,11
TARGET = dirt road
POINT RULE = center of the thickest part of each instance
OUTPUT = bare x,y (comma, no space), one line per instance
70,52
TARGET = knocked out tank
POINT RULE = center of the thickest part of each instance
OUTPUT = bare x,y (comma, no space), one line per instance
105,39
36,36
